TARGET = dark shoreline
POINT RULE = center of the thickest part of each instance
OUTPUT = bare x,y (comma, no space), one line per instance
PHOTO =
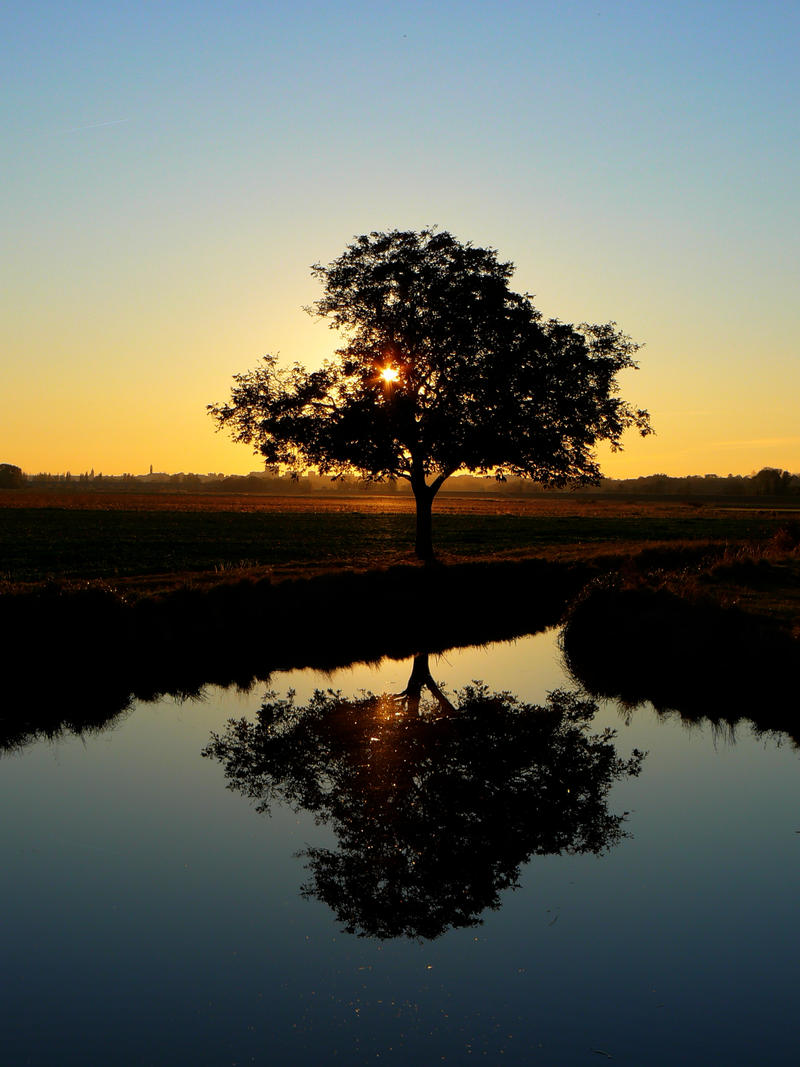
80,656
684,656
77,657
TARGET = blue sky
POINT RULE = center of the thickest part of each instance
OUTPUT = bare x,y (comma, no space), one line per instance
172,170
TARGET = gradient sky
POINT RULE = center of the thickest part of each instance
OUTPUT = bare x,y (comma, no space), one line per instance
171,171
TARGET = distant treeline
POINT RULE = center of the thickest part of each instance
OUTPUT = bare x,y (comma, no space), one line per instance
770,481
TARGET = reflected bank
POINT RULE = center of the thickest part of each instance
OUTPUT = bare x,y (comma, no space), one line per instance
695,660
634,645
106,653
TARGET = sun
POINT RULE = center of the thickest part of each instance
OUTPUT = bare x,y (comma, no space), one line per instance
390,374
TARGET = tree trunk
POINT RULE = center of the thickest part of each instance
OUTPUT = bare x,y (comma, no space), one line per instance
423,545
421,678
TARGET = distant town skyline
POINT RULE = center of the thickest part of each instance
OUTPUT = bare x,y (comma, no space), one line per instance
769,479
171,173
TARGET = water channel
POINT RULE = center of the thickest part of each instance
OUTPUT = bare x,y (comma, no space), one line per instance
178,891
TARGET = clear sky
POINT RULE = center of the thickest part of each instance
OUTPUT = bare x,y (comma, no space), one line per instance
171,170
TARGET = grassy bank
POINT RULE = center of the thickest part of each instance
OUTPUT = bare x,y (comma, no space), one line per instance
646,634
99,650
685,655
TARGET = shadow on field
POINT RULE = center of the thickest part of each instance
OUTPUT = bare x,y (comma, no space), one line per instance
694,658
76,659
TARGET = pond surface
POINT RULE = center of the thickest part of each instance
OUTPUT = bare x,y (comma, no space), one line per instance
154,916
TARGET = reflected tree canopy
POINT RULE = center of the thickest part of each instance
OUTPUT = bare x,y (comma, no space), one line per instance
435,803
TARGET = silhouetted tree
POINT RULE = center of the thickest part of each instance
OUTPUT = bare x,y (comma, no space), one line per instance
435,809
771,481
11,476
444,369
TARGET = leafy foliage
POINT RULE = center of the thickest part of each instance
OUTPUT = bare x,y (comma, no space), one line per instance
11,477
483,383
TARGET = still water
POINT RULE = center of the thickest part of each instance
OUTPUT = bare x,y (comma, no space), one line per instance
152,915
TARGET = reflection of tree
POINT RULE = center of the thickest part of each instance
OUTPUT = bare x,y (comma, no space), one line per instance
435,809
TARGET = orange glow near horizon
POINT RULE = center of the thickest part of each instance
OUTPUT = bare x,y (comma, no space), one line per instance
146,270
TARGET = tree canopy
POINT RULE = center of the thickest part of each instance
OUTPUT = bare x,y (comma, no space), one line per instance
443,368
11,476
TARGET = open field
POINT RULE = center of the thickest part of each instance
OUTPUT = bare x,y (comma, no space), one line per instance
150,540
354,502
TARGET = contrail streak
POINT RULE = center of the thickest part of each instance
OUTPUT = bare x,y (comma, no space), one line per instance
96,125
